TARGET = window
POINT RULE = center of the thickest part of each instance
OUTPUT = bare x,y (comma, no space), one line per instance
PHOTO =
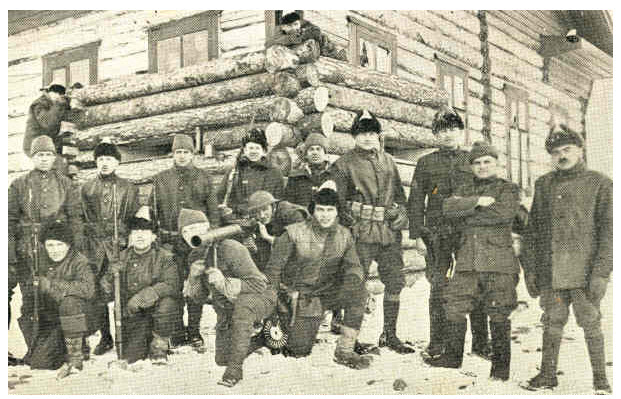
66,67
453,79
272,20
518,138
372,48
184,42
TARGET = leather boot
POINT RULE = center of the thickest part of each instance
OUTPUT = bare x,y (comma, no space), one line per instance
595,345
158,349
501,352
389,335
337,320
232,375
546,379
105,343
479,330
73,357
344,353
453,355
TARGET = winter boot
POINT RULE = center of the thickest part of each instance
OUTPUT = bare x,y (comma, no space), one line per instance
454,351
437,327
478,328
501,353
74,357
158,349
105,343
362,348
389,335
344,353
232,375
595,345
337,321
546,379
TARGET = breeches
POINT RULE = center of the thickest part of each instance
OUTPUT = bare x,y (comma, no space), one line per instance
555,305
389,260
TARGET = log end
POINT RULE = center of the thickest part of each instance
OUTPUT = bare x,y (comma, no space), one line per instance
321,98
327,124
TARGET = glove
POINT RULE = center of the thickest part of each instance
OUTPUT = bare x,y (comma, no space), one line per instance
531,284
216,278
44,284
597,288
197,268
144,299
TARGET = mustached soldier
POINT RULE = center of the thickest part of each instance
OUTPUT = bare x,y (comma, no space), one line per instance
98,198
372,201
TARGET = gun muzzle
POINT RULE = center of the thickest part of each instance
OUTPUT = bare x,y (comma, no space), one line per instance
215,235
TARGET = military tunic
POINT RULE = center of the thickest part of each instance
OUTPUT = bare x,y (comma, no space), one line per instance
303,182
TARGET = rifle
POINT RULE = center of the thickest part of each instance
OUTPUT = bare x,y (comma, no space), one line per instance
34,270
118,310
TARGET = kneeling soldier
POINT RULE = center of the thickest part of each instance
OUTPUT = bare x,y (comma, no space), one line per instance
316,262
483,209
241,295
149,290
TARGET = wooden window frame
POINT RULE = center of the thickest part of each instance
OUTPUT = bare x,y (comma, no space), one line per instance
359,29
64,58
513,93
272,23
450,67
208,20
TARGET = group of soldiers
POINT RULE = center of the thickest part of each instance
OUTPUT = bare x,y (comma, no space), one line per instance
275,254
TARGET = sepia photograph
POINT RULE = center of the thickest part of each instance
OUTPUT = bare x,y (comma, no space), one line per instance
310,202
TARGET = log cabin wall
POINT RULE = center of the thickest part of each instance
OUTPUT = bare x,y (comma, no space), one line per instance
424,41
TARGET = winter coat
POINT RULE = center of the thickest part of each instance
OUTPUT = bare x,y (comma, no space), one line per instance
184,187
303,182
98,214
569,234
248,178
40,197
308,31
372,178
44,118
485,243
436,177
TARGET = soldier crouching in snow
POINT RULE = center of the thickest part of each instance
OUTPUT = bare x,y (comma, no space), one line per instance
483,209
241,295
567,254
148,289
316,262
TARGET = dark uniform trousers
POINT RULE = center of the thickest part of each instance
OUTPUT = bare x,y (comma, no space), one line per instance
304,331
235,326
389,260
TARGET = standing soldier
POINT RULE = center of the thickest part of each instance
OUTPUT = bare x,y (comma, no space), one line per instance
99,197
149,291
567,254
38,198
315,262
45,115
437,176
372,202
241,293
183,186
483,209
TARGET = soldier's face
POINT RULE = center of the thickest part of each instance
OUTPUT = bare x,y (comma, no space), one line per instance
43,160
54,96
565,157
183,157
293,27
141,239
325,215
315,154
451,138
264,214
367,141
56,250
106,164
485,167
254,151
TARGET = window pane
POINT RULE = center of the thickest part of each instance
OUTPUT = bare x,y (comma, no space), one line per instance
383,60
459,92
79,72
59,76
195,48
169,54
367,54
448,86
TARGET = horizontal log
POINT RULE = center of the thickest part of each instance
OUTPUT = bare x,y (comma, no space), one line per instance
343,74
195,75
316,123
285,84
245,87
313,99
285,110
386,107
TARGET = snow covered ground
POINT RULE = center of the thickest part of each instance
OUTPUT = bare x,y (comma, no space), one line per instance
191,373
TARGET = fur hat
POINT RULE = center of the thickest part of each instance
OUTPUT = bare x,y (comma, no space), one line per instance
315,139
325,195
446,118
55,88
142,220
365,122
107,149
188,217
59,231
562,135
481,149
42,143
290,18
255,135
182,142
